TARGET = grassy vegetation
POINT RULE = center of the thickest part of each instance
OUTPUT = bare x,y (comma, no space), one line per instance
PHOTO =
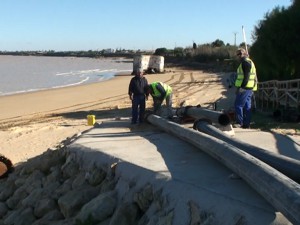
267,122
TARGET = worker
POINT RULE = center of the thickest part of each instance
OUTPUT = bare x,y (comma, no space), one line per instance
246,83
138,94
160,92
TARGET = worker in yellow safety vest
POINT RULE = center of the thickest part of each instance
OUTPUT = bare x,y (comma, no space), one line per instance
246,83
160,92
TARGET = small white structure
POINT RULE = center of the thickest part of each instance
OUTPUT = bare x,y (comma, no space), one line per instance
149,63
108,50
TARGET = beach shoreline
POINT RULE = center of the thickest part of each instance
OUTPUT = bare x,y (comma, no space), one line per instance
35,121
21,74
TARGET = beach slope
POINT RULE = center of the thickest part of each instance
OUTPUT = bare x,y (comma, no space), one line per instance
33,122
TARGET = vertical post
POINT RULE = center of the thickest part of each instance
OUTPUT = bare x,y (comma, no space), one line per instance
244,36
234,38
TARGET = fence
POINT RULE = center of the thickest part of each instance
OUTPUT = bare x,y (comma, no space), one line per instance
279,94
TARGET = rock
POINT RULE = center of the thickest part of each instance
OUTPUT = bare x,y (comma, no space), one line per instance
35,184
70,168
7,190
44,206
64,188
72,201
51,188
32,199
54,215
79,181
105,222
107,185
195,213
20,181
21,217
69,221
167,219
34,181
155,211
65,194
126,214
54,176
144,198
100,208
45,161
3,209
95,176
16,198
199,216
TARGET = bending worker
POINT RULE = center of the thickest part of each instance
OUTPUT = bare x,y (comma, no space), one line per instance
246,83
160,92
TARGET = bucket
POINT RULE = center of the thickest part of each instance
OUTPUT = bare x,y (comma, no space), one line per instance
91,119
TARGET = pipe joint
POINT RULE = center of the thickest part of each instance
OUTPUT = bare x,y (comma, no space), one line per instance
196,123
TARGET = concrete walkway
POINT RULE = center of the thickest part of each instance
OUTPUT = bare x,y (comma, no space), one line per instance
287,145
146,154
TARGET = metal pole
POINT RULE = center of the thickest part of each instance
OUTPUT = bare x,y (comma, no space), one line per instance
200,113
244,36
279,190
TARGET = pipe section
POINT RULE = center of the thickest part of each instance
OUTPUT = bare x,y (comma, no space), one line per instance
279,190
6,166
286,165
199,113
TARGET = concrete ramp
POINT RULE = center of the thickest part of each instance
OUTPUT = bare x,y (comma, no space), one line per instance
145,154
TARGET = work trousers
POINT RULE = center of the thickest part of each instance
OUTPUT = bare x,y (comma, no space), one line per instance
243,107
138,108
157,106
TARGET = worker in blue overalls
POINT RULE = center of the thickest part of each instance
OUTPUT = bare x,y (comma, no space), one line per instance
246,83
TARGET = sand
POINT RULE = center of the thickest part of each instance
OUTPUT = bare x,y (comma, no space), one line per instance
31,123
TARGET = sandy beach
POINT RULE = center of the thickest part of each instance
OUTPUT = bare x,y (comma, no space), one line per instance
33,122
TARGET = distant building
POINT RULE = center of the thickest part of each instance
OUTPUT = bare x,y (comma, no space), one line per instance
108,50
152,63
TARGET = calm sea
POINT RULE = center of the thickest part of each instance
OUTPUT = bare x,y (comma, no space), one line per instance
20,74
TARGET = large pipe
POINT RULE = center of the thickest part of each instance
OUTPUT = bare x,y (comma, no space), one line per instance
286,165
6,166
200,113
279,190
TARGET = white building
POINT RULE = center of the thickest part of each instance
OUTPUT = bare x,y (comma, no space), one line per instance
149,63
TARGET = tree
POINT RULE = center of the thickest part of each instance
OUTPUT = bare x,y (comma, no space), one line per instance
194,45
217,43
276,49
178,51
161,51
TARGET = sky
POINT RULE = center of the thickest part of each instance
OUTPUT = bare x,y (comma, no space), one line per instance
75,25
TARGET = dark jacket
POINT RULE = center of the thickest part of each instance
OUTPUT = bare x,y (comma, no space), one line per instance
138,86
246,66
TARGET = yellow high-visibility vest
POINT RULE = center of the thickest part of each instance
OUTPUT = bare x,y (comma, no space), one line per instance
156,93
252,82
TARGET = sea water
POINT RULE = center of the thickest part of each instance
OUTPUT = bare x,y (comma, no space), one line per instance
20,74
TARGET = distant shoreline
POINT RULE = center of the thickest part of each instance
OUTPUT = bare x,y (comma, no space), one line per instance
20,74
118,74
78,54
